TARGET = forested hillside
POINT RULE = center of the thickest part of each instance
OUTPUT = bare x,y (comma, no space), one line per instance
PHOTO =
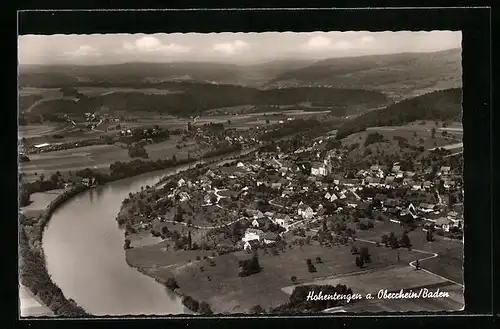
197,98
398,75
438,105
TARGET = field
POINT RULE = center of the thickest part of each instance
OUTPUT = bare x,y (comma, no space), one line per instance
38,130
97,156
455,302
40,201
417,134
91,91
226,291
449,262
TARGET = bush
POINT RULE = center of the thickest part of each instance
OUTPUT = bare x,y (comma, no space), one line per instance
191,303
171,284
310,266
249,266
257,309
204,309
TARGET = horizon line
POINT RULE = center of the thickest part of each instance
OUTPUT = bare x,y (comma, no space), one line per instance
208,61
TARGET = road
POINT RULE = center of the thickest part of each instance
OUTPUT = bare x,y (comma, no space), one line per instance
201,227
43,100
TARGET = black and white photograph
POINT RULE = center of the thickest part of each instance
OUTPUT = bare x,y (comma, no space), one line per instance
240,173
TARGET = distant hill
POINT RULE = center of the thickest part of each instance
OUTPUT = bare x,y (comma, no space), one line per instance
398,75
438,105
143,73
196,98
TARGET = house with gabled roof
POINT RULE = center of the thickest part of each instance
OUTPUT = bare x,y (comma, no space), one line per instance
372,181
282,220
305,211
251,245
269,238
260,222
252,234
445,170
427,207
443,223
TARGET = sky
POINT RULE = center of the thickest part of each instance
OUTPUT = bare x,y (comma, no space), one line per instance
225,47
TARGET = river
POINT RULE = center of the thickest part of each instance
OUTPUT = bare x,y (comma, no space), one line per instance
83,248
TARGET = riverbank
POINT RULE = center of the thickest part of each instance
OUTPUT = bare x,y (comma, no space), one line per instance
32,264
160,271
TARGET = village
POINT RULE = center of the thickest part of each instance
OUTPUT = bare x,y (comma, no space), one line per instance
275,193
298,193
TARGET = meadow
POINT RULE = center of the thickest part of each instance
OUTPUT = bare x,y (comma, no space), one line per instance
225,291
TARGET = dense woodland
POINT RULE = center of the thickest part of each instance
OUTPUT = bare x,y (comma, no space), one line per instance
439,105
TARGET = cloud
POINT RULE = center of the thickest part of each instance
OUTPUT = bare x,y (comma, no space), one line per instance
149,44
318,43
84,51
367,39
323,43
231,48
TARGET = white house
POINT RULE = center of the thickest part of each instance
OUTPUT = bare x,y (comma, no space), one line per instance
283,220
319,169
181,182
443,223
252,234
445,170
305,211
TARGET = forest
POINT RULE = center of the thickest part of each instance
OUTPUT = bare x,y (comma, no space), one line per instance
439,105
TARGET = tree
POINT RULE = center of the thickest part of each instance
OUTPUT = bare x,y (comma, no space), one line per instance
319,260
429,236
228,122
359,262
257,309
267,121
405,240
190,241
171,284
293,278
354,250
310,267
250,266
393,241
433,132
364,254
54,179
127,244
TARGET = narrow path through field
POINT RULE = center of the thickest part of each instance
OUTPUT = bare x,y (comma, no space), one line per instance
412,263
